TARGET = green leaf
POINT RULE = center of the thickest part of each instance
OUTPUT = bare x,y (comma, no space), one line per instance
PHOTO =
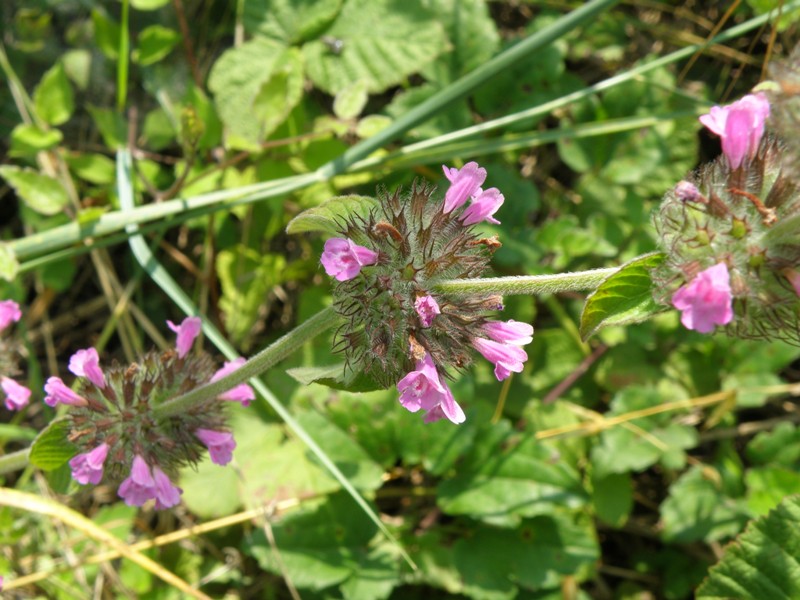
350,101
246,277
15,432
9,265
248,83
111,126
53,96
154,43
94,168
27,140
536,555
319,548
148,4
613,498
106,33
767,486
403,36
696,509
51,449
325,217
290,21
336,377
41,193
625,297
762,561
505,478
781,446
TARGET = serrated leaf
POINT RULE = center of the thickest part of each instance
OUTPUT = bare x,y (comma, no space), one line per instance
154,43
335,377
325,216
291,21
51,449
41,193
9,265
403,36
53,96
30,139
625,297
762,562
247,81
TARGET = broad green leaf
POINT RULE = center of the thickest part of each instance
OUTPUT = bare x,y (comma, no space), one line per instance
625,297
781,446
403,36
336,377
350,101
78,66
318,548
111,126
696,509
612,496
351,458
53,96
290,21
537,555
94,168
40,192
148,4
247,82
767,486
51,449
154,43
106,33
9,265
325,217
762,561
27,140
505,478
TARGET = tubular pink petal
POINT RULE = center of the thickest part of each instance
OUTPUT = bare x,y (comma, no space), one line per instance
220,445
427,308
509,332
86,363
241,393
167,494
58,393
17,395
706,301
88,467
506,358
9,313
464,182
140,486
343,260
187,331
483,207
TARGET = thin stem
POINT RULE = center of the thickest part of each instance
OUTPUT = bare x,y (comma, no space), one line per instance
14,461
269,356
528,284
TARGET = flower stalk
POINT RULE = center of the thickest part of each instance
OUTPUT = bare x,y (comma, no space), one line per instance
527,284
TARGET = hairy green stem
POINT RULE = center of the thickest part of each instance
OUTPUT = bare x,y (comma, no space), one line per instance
269,356
14,461
528,284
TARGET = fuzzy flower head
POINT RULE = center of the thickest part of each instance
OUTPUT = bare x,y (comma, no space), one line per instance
423,389
343,259
9,313
187,331
740,126
17,395
706,300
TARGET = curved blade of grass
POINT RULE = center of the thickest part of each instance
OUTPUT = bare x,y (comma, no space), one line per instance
170,287
51,508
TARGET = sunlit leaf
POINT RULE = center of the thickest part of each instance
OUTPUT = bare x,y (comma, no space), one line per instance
51,449
40,192
53,96
324,218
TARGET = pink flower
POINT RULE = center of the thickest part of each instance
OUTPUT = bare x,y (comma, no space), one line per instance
509,332
688,192
9,313
17,396
483,206
706,300
427,308
187,331
740,126
220,445
57,393
86,363
140,486
464,183
241,393
88,467
343,259
166,493
506,358
422,389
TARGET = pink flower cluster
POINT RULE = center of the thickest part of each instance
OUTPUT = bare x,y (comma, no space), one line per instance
17,395
740,126
146,481
465,184
706,301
